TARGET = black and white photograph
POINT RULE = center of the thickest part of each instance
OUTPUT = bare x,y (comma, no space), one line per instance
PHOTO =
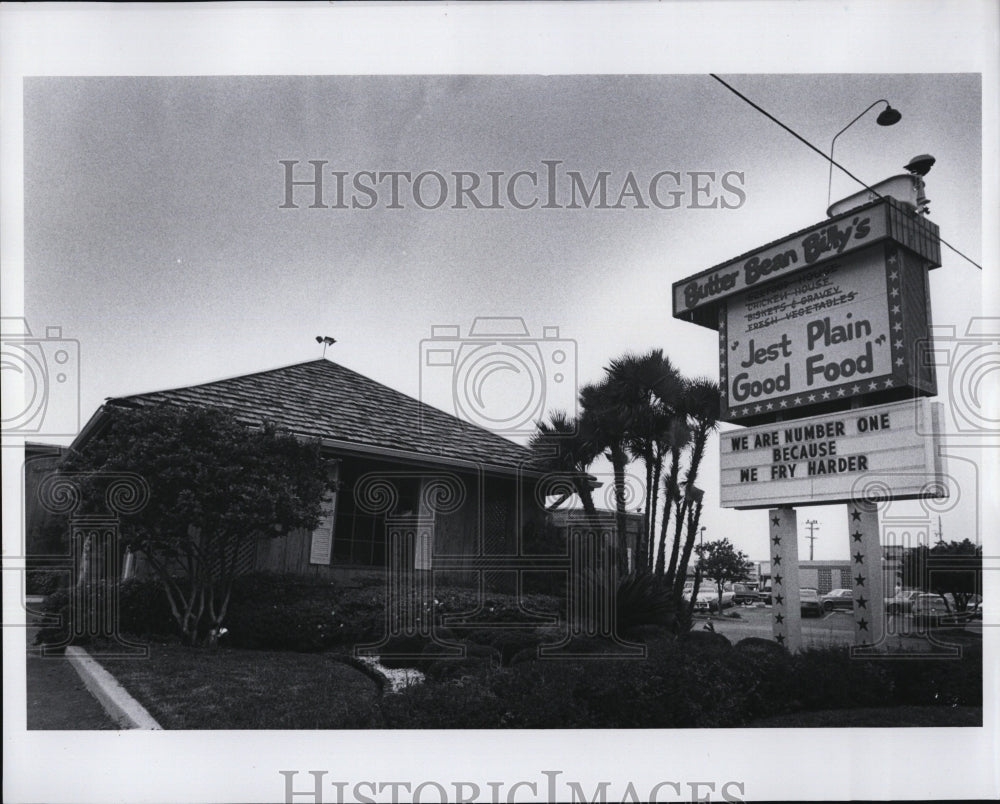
495,402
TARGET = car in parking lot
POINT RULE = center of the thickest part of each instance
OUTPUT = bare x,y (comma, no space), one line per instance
708,598
837,599
743,594
901,602
932,609
809,604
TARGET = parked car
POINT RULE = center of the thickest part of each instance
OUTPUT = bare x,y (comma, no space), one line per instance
809,604
838,599
932,609
708,597
744,593
901,602
929,609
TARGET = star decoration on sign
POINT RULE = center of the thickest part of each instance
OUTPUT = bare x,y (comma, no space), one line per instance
862,602
859,558
855,516
896,309
784,403
863,624
777,579
841,392
857,535
892,259
779,618
812,397
873,386
860,580
899,361
888,383
776,540
826,395
775,520
780,639
856,389
777,560
779,599
893,274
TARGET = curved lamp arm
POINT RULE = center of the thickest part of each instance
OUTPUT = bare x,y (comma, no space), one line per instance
829,184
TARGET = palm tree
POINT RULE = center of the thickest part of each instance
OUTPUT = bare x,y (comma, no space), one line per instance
646,389
562,446
677,438
606,430
701,403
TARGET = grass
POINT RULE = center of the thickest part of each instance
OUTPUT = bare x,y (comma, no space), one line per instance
186,688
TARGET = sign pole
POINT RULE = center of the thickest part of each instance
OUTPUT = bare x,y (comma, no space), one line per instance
866,573
786,619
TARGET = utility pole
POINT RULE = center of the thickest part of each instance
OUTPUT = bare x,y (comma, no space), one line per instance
813,525
940,540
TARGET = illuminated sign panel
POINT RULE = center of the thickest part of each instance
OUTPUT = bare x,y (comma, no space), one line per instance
811,337
831,459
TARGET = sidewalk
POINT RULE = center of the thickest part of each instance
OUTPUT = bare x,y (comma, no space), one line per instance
56,697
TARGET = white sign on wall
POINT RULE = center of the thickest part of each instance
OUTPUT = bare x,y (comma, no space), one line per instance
807,339
826,459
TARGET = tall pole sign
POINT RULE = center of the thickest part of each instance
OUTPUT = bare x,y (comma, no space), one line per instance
824,352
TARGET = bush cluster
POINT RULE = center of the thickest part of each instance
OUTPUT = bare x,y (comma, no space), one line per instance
684,683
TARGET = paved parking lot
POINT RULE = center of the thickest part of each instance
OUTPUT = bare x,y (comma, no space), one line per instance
833,628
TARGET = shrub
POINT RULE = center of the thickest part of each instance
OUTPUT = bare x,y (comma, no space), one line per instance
829,678
453,704
45,582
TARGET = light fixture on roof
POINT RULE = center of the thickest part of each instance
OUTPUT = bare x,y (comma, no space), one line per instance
326,340
887,117
920,165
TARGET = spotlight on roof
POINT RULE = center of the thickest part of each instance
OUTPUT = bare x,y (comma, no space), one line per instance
920,165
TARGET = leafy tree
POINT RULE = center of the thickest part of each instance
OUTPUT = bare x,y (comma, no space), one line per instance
948,568
723,563
215,485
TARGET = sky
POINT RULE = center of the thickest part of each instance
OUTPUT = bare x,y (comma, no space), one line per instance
158,233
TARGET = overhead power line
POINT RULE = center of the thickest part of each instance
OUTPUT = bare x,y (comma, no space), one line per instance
834,162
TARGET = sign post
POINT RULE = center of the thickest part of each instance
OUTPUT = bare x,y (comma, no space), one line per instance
867,580
786,620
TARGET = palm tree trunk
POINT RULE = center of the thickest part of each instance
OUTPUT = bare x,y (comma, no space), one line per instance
618,463
657,471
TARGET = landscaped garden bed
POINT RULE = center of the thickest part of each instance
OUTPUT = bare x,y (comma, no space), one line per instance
288,662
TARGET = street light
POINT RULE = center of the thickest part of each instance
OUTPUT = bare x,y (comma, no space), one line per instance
887,117
701,536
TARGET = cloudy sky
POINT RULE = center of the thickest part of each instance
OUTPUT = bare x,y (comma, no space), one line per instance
158,233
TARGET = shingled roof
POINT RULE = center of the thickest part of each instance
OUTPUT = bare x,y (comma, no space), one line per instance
343,408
